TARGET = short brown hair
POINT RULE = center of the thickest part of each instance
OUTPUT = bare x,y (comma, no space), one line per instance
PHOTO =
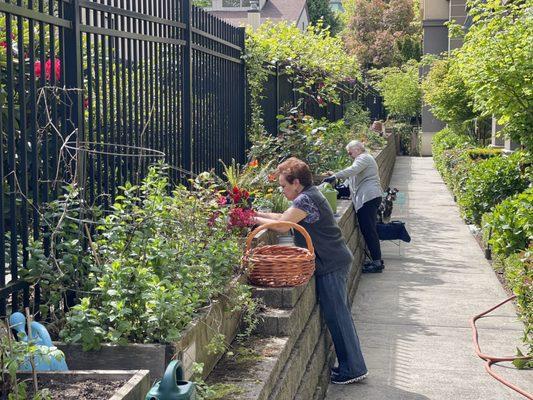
293,168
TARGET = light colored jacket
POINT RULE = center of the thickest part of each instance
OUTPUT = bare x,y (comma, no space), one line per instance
363,179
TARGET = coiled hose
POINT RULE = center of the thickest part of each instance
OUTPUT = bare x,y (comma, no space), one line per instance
490,360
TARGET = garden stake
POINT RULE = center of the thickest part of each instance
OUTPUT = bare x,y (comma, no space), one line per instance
32,360
10,344
489,360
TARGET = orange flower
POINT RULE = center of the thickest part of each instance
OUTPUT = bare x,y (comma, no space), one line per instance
253,163
272,177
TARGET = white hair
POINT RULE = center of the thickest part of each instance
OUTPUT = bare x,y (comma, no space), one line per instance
356,144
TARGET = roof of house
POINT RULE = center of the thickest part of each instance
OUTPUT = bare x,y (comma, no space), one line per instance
275,10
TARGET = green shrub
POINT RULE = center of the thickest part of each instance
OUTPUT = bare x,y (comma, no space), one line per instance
518,271
509,227
489,182
454,144
483,153
320,143
356,117
404,132
161,258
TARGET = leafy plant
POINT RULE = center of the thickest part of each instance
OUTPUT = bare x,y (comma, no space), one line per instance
319,143
448,150
508,228
371,139
400,87
518,272
313,61
483,153
356,117
14,352
495,64
162,258
489,182
63,272
321,13
445,92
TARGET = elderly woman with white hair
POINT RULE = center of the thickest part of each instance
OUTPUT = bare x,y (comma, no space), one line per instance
365,188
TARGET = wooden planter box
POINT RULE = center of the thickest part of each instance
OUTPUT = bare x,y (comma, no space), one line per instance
136,387
217,318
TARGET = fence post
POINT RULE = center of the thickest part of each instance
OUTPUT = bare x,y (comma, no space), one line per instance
73,68
73,80
187,140
277,97
244,97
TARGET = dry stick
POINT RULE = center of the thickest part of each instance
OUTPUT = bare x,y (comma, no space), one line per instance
15,387
92,245
32,359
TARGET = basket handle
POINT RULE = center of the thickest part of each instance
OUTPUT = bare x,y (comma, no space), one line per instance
299,228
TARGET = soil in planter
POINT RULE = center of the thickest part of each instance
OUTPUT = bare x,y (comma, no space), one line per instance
68,388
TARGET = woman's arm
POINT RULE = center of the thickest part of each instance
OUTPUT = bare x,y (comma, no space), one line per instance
292,215
269,215
358,166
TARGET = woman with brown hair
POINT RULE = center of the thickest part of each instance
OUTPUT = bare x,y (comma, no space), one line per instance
311,210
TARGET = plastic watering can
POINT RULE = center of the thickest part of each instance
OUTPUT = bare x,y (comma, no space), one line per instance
40,337
172,386
330,194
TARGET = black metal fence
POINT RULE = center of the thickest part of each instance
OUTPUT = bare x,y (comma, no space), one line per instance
279,94
94,91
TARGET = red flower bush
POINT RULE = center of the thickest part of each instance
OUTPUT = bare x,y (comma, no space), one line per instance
239,202
37,68
241,217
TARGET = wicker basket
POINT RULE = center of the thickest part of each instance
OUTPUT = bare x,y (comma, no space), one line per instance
279,266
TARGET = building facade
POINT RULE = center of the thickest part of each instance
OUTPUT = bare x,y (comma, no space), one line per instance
237,12
435,15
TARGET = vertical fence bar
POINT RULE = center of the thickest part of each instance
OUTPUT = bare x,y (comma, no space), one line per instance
2,228
244,90
73,79
186,150
11,158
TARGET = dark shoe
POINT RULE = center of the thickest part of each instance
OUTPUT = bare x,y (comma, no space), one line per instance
346,380
334,372
370,262
374,267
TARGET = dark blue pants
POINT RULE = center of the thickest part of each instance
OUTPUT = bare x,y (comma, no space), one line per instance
367,217
333,300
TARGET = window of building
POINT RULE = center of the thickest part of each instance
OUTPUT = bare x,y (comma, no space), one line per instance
235,3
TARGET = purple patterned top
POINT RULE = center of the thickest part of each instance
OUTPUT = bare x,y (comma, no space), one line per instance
303,202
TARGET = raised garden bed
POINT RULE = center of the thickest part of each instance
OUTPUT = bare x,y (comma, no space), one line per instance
92,384
218,318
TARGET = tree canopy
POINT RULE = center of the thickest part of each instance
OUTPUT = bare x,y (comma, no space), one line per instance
320,10
382,33
445,92
495,64
400,89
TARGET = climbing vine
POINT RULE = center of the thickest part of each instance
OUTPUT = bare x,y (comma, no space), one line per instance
313,60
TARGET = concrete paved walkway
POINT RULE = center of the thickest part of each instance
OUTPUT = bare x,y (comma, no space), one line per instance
413,319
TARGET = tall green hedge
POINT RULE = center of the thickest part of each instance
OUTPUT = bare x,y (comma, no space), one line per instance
509,227
491,181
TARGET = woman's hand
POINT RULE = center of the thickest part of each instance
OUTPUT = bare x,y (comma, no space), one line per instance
292,215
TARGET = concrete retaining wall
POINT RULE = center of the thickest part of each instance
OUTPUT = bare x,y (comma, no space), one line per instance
291,352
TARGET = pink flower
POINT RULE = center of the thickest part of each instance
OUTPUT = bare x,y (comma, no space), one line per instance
3,44
222,200
37,68
86,103
57,69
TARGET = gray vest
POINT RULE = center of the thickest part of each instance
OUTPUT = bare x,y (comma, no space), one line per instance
331,251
